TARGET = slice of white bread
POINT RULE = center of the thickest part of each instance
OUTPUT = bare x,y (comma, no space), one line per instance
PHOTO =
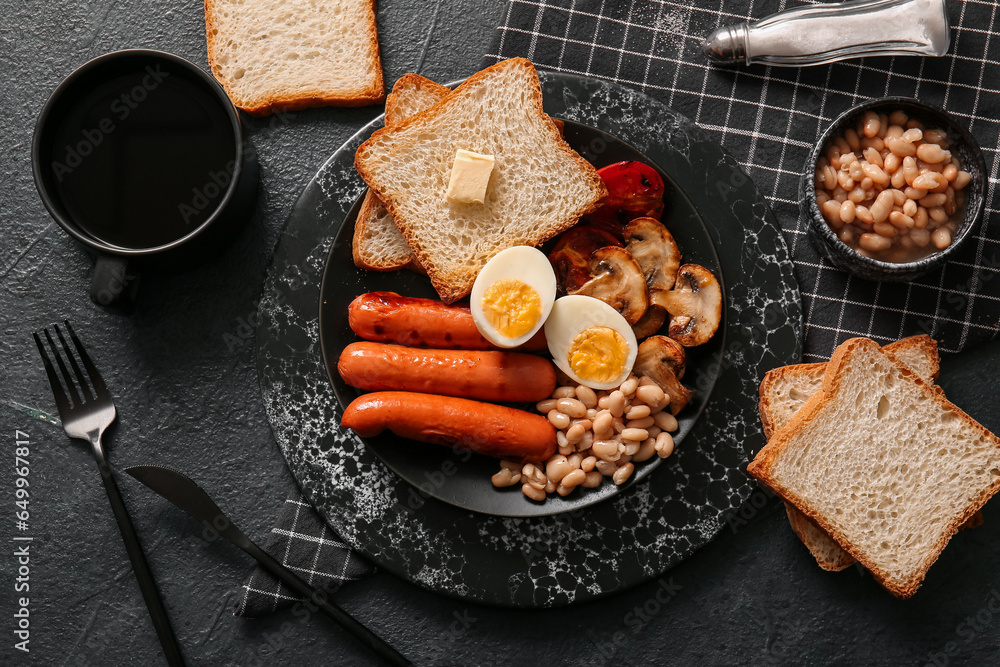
883,463
294,54
378,244
539,185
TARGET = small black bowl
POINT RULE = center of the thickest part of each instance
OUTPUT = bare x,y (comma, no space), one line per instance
844,257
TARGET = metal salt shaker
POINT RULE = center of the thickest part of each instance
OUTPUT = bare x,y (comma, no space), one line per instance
825,33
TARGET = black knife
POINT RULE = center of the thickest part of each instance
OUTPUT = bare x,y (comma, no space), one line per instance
191,498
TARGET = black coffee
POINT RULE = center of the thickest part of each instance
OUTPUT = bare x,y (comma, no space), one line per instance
143,158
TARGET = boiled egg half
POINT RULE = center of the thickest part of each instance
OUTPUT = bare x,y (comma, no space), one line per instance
513,295
590,341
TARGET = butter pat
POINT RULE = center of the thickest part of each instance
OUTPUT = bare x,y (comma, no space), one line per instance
470,174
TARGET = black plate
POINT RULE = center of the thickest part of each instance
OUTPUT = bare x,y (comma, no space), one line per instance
469,487
591,551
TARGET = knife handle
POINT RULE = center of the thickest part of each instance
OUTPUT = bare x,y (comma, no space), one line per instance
142,572
319,598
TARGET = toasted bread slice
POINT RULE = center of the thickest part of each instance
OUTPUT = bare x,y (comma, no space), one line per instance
271,55
378,245
539,185
785,390
883,463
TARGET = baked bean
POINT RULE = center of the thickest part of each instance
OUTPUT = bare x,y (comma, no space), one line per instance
891,162
884,229
898,117
856,170
642,422
898,179
925,181
894,132
565,449
843,146
558,419
882,207
572,407
873,142
646,450
564,392
920,218
616,401
900,220
941,238
961,180
833,156
586,395
844,180
866,184
872,124
913,122
575,460
927,167
603,402
650,394
505,478
913,135
840,194
915,193
909,207
875,173
557,468
874,242
606,450
910,169
645,381
550,486
632,446
847,211
937,214
937,199
618,424
639,434
573,479
898,197
950,172
592,480
853,140
637,412
846,235
533,493
664,445
587,463
862,213
931,153
591,413
606,468
873,157
575,433
546,406
935,136
847,158
623,473
629,386
900,147
603,422
666,421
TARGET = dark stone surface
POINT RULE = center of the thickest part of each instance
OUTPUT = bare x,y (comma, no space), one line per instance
183,371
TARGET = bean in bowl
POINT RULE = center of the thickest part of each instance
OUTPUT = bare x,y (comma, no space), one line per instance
890,187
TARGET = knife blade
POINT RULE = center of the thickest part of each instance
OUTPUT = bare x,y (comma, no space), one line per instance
192,499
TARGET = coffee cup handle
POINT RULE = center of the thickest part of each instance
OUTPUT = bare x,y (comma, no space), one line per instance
115,283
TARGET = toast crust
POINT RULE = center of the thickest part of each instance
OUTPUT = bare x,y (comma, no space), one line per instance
455,283
762,464
306,99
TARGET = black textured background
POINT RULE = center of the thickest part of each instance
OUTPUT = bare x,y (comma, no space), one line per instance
183,372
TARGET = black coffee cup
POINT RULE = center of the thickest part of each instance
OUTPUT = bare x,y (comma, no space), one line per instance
140,156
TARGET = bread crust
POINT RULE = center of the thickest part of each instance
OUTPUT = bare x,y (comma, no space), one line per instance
372,94
762,464
455,284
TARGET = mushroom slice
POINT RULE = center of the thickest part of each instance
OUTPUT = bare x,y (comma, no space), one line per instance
656,252
650,322
661,359
694,304
618,282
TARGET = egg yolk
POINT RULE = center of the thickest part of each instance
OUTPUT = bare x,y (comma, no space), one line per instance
512,307
598,354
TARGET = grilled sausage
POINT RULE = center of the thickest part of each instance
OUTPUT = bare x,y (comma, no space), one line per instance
484,428
488,374
387,317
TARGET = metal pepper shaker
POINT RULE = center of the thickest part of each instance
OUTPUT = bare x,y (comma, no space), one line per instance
825,33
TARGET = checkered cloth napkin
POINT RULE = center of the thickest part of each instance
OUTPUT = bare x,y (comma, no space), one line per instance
768,118
306,545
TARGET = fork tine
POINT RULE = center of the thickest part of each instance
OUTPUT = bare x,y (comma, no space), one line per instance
100,389
80,376
68,381
62,404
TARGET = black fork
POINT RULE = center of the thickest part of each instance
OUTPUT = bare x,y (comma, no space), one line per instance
87,409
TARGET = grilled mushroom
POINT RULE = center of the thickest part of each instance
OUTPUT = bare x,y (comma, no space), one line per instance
694,304
656,252
650,322
618,281
661,359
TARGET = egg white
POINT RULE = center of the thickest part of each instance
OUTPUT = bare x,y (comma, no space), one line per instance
524,263
575,313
